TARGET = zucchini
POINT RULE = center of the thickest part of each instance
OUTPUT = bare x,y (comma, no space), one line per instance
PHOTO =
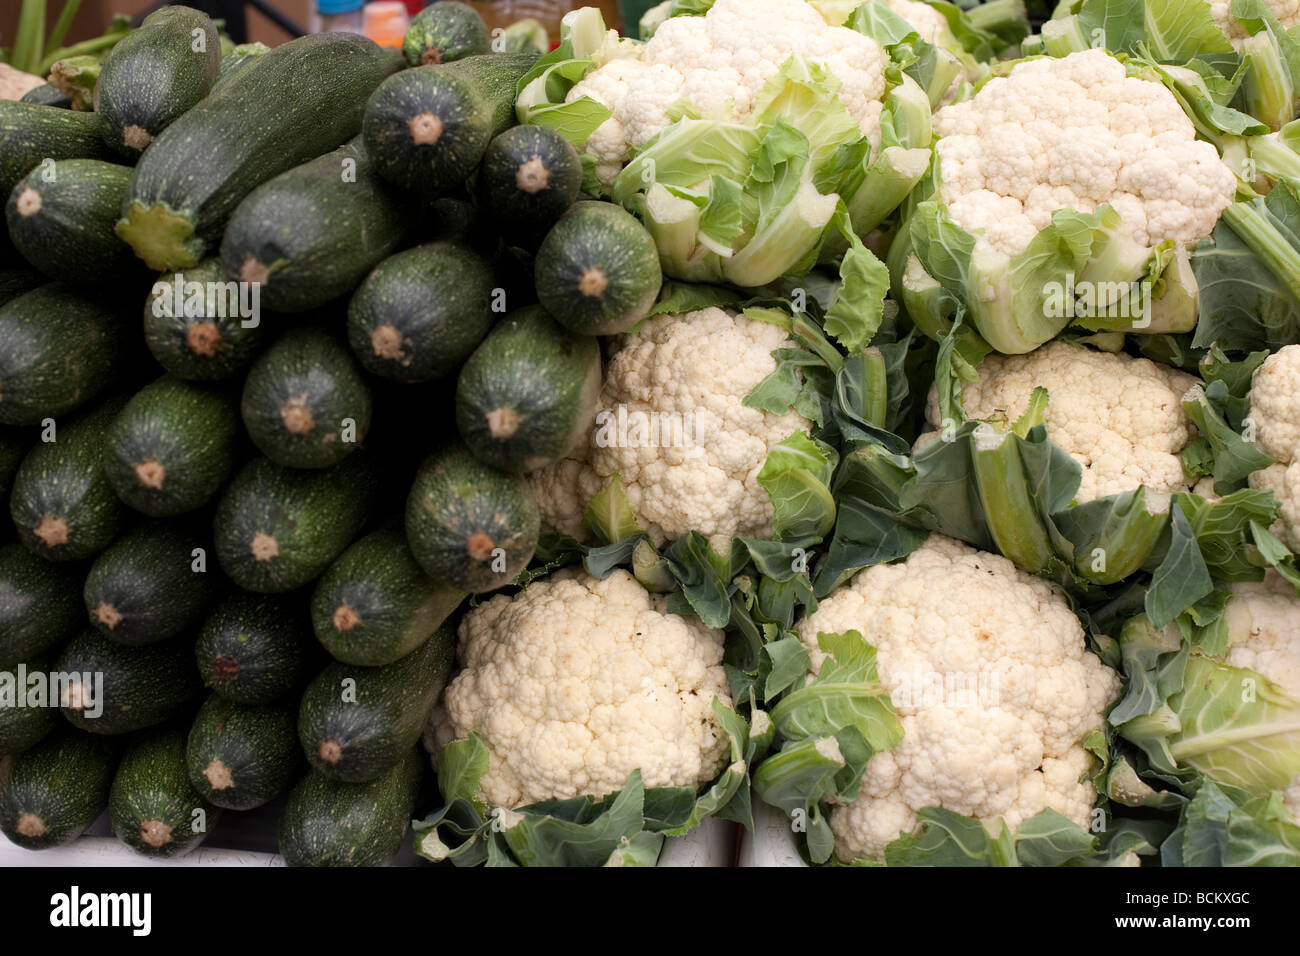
310,234
24,721
597,270
420,313
254,648
529,177
355,723
172,447
31,133
305,403
64,225
50,794
60,350
14,445
150,584
62,505
152,806
40,604
294,103
427,127
375,604
330,823
443,32
198,325
142,686
278,529
470,525
15,282
47,95
154,74
527,396
238,58
239,756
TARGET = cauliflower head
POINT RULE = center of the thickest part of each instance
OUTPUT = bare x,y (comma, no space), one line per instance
718,64
1275,413
1121,418
575,682
1286,11
994,686
672,423
1077,132
1263,619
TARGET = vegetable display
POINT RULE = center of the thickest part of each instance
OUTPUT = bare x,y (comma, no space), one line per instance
866,426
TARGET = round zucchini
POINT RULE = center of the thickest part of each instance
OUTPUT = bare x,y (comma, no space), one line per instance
152,806
172,447
597,270
141,686
201,327
40,604
240,756
62,505
278,528
529,177
253,648
306,404
470,525
53,792
527,396
420,313
62,220
443,32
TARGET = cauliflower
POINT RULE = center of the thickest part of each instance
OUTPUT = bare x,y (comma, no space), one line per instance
575,682
993,684
1077,132
1121,418
1286,11
1275,413
1263,620
719,64
672,423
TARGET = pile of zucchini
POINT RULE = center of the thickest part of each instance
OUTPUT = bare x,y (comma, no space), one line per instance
280,332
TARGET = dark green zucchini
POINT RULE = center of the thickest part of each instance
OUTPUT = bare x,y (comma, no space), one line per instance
200,326
294,103
62,505
241,756
40,604
597,270
529,177
445,31
152,806
470,525
239,57
278,528
420,313
355,723
254,648
427,128
375,604
60,350
47,95
310,234
130,688
50,794
330,823
150,584
31,133
26,714
154,74
64,225
14,444
527,395
305,403
172,447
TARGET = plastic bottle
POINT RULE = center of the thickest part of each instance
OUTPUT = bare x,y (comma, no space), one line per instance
331,16
386,22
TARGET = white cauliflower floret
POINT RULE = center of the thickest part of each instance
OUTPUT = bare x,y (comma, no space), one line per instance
928,22
1286,11
1020,691
575,682
1275,415
719,64
1263,621
1076,132
1121,418
672,424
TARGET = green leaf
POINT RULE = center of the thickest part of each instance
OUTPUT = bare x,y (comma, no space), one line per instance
610,514
797,476
1182,578
705,589
541,839
461,767
784,663
942,838
1049,839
